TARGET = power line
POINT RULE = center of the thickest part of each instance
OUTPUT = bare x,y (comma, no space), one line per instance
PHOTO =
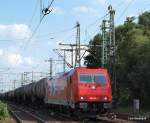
97,20
93,23
46,11
51,4
30,38
35,30
126,9
29,24
23,47
120,4
34,12
40,36
94,33
58,32
8,40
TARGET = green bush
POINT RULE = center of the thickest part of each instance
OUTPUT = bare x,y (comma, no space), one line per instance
3,111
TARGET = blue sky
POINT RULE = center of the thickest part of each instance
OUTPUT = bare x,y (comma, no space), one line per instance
19,18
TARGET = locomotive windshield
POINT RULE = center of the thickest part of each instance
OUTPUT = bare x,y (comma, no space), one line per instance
91,78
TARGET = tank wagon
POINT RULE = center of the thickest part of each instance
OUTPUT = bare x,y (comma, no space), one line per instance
80,89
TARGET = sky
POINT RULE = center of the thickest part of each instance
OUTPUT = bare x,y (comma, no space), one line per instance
24,47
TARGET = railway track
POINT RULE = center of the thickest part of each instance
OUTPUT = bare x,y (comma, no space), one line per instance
130,118
26,114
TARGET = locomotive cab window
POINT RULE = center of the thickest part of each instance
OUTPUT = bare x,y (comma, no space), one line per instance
85,78
100,79
91,78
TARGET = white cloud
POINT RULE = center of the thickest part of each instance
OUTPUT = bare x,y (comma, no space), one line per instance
128,1
101,2
15,31
1,52
84,9
58,10
28,60
14,59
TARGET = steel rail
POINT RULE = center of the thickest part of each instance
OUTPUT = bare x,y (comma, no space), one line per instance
37,118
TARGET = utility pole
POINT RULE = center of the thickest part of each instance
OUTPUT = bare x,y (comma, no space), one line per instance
32,76
25,77
104,45
64,61
109,46
77,61
14,84
50,67
112,47
75,45
63,57
22,79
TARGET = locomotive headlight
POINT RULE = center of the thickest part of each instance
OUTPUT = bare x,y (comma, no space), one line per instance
93,87
82,98
105,98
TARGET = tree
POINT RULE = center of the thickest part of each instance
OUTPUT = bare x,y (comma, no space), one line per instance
93,60
133,59
144,19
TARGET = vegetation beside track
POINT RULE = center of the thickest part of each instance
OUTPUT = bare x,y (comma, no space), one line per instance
5,116
133,60
4,113
129,110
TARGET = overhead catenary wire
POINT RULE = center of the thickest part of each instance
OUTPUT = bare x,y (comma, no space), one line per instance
24,47
50,4
48,35
29,24
58,32
93,23
93,34
120,4
34,12
126,8
35,30
97,20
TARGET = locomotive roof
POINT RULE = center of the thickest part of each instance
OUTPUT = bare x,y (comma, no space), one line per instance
58,75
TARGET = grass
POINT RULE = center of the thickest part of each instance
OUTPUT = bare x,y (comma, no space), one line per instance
4,113
142,112
5,116
145,112
123,110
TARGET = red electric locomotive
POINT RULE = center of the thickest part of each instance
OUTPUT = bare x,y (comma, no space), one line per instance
81,89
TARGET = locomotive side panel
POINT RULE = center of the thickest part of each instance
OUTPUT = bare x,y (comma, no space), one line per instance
57,91
61,90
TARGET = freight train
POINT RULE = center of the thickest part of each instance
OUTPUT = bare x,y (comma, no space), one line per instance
80,89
